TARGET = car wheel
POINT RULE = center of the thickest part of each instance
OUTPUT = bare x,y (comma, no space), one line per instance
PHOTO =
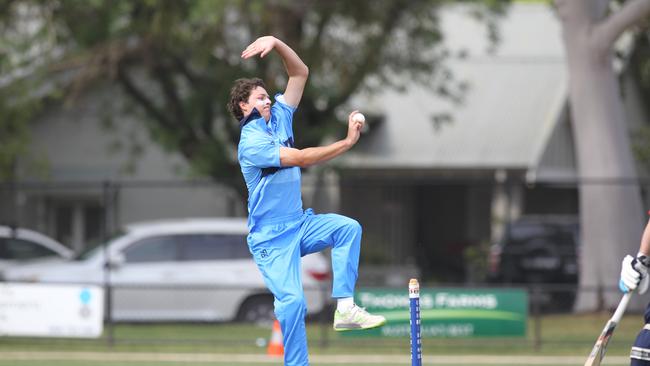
257,310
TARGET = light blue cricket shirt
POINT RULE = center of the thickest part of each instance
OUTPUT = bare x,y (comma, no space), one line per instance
273,191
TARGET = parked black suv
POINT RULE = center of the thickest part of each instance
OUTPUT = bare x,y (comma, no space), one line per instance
537,249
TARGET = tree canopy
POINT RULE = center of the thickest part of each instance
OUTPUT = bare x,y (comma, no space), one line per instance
177,59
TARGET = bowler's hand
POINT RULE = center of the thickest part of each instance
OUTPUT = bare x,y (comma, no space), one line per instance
354,129
262,46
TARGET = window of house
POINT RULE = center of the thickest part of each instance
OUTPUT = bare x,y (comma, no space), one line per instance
63,223
76,223
93,217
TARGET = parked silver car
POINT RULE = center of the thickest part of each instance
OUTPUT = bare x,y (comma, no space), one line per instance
181,270
20,246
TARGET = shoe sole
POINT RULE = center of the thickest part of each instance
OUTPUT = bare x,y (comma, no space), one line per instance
348,327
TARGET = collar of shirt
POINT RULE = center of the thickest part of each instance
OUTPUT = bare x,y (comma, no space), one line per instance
257,117
255,114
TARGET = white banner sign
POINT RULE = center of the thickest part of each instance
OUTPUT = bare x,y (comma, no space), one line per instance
50,310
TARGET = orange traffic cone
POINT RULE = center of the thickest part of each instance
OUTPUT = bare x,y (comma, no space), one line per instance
275,344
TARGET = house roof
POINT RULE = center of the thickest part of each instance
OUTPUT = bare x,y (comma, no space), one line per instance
509,112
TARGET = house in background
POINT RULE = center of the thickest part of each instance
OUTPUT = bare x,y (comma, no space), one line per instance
425,192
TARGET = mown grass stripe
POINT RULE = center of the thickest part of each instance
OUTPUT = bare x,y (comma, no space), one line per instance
440,314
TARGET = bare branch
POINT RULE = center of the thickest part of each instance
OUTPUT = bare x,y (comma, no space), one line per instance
129,87
313,50
170,92
605,33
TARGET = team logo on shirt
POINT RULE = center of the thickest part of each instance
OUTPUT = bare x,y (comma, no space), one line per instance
264,253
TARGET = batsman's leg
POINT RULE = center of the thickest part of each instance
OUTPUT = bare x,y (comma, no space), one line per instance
640,353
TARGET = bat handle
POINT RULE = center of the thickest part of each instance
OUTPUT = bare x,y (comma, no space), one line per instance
620,309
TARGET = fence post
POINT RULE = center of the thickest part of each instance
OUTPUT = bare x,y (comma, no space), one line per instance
108,288
537,322
14,221
323,318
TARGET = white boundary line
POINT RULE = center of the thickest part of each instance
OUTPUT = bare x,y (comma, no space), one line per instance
330,359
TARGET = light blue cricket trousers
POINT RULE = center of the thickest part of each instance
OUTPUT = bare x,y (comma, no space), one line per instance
277,249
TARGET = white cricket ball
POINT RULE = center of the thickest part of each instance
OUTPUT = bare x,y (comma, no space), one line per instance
358,117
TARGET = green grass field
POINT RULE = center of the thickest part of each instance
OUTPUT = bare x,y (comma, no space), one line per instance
564,339
95,363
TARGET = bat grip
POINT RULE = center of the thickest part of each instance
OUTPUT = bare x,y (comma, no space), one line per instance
620,309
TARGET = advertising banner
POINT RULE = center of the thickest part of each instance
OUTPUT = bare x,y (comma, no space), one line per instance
50,310
449,312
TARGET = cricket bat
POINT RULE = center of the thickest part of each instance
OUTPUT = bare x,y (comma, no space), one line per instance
598,352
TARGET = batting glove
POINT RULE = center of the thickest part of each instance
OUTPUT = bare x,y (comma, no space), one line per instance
634,273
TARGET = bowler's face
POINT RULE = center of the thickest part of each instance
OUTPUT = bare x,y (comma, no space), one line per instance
259,99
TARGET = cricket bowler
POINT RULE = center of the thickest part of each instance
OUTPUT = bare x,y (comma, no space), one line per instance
281,232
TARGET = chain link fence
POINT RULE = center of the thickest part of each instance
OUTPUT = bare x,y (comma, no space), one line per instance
476,234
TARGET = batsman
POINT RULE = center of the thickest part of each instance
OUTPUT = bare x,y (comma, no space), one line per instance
281,232
634,276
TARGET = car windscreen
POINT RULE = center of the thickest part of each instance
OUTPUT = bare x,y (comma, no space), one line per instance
95,246
558,234
19,249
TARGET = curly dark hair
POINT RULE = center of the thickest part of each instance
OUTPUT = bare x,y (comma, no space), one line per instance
240,92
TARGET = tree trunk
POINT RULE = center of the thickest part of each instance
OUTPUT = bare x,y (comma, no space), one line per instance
610,200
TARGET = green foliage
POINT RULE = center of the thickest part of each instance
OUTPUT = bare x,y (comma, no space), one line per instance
476,262
17,110
176,59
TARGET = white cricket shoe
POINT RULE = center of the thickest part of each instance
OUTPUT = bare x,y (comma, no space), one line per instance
356,318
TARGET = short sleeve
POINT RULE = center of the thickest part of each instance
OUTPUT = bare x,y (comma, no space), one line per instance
259,150
283,112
